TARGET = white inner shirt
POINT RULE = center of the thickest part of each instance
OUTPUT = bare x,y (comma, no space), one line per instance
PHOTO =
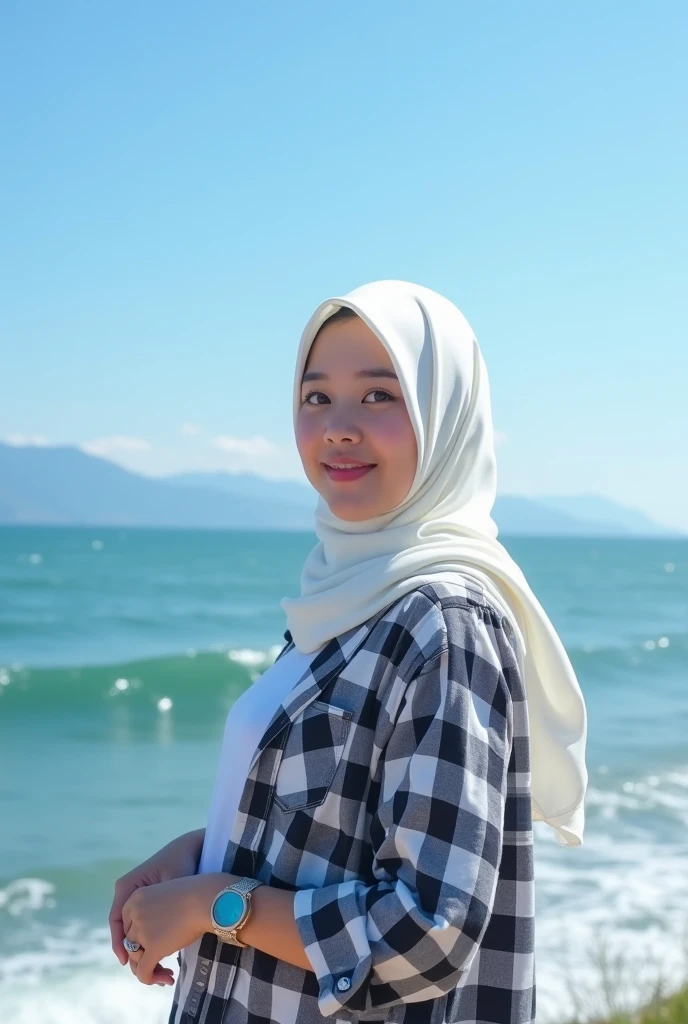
246,722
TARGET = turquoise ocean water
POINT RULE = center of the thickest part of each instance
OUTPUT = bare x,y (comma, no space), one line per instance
121,652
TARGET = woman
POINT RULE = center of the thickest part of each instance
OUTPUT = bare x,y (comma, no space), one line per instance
377,785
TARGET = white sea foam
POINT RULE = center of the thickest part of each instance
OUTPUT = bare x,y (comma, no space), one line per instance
608,915
26,894
86,996
246,656
612,914
250,658
69,975
666,791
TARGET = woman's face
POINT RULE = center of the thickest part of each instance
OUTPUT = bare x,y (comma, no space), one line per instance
353,430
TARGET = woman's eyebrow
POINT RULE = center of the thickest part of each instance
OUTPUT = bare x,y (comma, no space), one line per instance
375,371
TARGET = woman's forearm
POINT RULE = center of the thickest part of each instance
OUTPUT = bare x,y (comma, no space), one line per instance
270,927
181,855
196,838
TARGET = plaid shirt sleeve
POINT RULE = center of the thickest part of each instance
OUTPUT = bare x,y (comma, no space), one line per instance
410,931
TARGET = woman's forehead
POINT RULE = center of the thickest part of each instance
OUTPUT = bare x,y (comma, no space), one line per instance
348,346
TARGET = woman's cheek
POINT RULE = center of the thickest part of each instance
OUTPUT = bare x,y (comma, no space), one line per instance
307,438
394,438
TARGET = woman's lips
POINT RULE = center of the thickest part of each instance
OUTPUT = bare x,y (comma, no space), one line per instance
355,473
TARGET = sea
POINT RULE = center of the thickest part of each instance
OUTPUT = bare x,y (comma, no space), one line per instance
121,651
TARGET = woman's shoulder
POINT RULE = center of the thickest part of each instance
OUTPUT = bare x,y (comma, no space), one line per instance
447,602
453,613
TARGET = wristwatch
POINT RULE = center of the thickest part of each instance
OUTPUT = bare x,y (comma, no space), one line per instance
230,910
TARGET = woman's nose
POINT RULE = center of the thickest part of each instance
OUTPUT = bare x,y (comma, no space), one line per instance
339,430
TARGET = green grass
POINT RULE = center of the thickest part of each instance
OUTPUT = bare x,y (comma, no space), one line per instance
672,1009
619,997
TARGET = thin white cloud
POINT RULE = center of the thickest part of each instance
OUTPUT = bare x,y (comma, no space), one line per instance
190,429
203,454
25,440
499,437
249,446
114,445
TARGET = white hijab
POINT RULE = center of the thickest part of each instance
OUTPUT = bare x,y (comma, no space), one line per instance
443,527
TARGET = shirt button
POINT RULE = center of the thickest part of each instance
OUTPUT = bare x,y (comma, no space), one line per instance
344,984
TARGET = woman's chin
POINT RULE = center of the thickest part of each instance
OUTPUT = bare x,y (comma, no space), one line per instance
352,511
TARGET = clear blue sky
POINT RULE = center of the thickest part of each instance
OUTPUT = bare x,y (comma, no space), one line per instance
182,183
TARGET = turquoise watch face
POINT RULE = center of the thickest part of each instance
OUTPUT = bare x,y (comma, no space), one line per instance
228,909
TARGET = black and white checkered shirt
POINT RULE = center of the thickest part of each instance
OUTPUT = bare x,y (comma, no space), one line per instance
391,793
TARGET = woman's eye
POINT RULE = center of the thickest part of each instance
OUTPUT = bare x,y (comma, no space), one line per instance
372,398
378,396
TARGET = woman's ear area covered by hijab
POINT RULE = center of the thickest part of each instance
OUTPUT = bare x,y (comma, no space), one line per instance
353,430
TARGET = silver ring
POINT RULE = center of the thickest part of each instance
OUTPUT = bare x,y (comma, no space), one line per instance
130,946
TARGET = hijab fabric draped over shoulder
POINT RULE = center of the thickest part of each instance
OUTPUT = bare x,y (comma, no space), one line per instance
443,527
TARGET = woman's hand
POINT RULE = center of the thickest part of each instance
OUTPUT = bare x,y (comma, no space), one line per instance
177,859
169,916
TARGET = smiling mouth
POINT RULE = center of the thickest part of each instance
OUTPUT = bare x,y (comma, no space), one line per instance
348,470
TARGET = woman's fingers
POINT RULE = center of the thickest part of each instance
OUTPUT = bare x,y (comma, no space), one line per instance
134,959
123,890
120,921
117,935
160,976
163,975
146,967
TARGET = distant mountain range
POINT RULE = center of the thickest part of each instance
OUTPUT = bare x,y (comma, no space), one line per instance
64,485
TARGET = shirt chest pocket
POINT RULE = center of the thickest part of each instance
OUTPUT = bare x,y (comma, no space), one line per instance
312,753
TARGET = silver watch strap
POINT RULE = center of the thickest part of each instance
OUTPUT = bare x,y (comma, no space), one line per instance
245,885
